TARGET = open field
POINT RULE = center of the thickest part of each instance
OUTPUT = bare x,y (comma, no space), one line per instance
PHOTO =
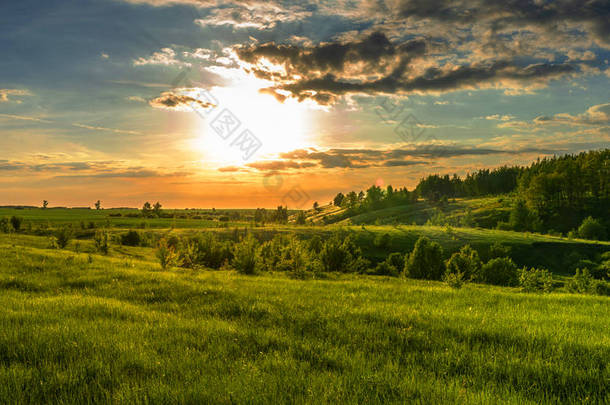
77,328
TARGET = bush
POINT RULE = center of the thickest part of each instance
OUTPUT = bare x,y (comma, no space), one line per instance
6,226
581,283
592,229
382,241
341,254
391,266
101,241
454,280
465,262
500,271
246,258
425,261
498,250
131,238
16,223
63,236
535,280
166,254
205,250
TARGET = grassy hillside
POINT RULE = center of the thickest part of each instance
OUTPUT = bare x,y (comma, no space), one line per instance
485,212
527,249
77,328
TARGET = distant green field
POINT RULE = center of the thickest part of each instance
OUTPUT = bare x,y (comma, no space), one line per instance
526,249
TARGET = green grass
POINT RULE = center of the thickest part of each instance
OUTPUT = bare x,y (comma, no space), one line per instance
80,328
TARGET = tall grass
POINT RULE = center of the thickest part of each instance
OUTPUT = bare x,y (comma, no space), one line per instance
80,329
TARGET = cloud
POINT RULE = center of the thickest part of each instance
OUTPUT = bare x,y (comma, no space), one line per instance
376,65
96,128
596,116
498,117
179,102
24,118
374,158
5,93
165,57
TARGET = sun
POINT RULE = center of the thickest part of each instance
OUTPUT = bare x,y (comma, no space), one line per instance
280,127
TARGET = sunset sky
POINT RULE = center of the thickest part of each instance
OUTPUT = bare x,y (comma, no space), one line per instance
220,103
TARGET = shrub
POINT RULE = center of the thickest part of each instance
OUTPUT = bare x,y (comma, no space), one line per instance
500,271
466,262
63,236
454,280
581,283
498,250
535,280
341,254
246,258
6,226
16,223
131,238
166,254
382,241
592,229
315,244
101,241
205,250
425,261
391,266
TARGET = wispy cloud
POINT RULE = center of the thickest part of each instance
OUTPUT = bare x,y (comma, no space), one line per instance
24,118
97,128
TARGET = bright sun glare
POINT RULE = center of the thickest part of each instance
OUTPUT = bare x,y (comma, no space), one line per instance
281,127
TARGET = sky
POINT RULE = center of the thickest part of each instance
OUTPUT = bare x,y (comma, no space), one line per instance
231,104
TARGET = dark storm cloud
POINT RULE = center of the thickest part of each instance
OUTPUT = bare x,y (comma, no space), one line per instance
514,13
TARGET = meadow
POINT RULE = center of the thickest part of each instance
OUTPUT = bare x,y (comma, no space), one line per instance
78,326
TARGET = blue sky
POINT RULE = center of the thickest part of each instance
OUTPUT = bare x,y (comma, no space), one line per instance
90,107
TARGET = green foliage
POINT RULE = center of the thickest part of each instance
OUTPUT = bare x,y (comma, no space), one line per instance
246,259
341,254
535,280
592,229
391,266
425,261
497,250
382,241
581,282
16,223
500,271
5,225
166,254
131,238
63,236
338,200
205,250
465,262
101,241
454,280
300,219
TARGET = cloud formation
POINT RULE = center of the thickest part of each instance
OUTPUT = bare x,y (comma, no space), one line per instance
170,100
373,158
376,65
5,93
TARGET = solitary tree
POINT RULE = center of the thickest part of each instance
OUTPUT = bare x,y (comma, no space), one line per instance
45,204
146,209
316,205
157,209
98,205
